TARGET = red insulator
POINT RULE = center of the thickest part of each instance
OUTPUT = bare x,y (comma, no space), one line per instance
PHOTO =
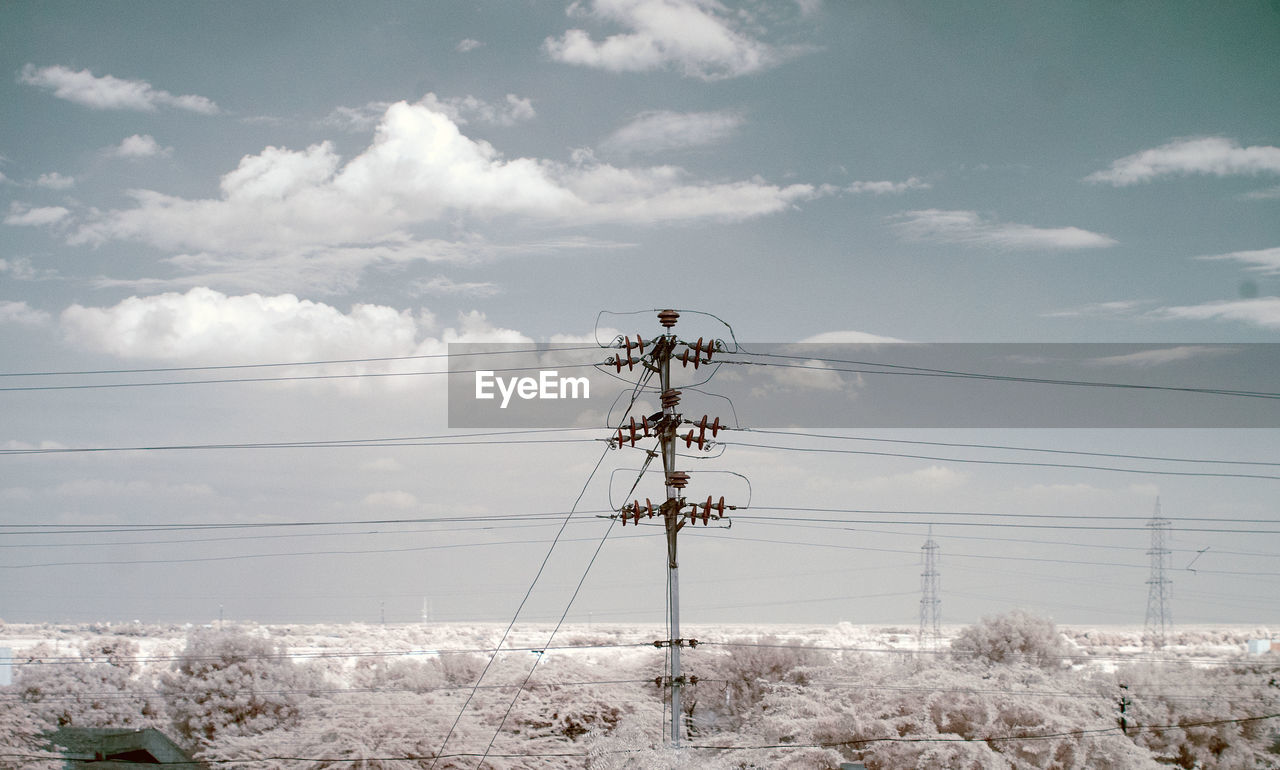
670,398
678,479
648,505
715,427
621,439
668,318
636,512
684,359
617,363
644,424
719,506
640,344
633,431
706,518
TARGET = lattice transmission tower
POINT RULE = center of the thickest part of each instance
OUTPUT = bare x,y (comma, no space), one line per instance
930,603
1159,619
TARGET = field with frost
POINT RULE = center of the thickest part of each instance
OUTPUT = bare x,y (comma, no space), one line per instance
1012,691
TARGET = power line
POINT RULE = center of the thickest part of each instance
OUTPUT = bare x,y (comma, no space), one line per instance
293,378
1020,463
545,559
380,359
1006,447
920,371
443,439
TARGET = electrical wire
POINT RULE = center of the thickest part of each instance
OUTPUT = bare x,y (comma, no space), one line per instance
1004,447
293,378
920,371
532,584
1018,463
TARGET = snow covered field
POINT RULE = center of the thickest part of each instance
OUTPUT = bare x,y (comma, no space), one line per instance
1012,691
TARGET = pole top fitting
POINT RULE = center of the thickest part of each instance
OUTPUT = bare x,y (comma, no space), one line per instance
668,318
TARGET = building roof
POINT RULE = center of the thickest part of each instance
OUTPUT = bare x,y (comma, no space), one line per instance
122,747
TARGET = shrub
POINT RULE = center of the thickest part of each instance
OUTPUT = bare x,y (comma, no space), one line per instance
1014,637
229,683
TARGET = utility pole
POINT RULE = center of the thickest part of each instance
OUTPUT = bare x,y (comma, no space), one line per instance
665,426
1159,618
930,603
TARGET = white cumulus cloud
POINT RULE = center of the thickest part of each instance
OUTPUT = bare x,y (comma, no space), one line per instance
206,325
700,38
139,146
972,228
467,45
108,92
419,168
1214,156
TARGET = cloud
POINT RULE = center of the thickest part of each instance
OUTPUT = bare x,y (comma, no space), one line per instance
382,465
1265,194
512,110
206,325
115,488
397,499
108,92
442,286
1214,156
22,314
1261,311
356,119
661,130
814,376
139,146
888,188
1159,356
420,168
933,477
460,110
696,37
843,337
1266,261
466,45
55,181
21,215
1114,309
19,268
971,228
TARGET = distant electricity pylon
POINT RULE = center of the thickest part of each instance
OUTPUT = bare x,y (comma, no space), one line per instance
674,512
930,603
1159,620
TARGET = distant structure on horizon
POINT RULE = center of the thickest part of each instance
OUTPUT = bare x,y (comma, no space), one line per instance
1159,624
930,604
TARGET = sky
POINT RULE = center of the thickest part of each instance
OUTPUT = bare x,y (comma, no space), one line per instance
233,184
